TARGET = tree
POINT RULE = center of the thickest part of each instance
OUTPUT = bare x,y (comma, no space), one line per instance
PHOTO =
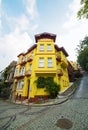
5,84
83,59
5,73
4,90
8,70
82,51
83,12
83,44
50,86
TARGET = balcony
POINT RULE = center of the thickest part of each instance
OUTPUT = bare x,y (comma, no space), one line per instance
18,76
45,71
64,63
60,72
58,57
28,73
22,62
29,59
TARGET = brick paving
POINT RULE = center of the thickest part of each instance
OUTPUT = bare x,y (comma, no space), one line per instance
45,116
20,117
74,110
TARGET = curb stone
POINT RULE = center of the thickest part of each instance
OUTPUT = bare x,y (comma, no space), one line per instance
60,97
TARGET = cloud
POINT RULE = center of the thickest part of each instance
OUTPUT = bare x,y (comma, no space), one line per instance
73,30
0,17
0,7
22,22
17,39
31,8
72,14
11,45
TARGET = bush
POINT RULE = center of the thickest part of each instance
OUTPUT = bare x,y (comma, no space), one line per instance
4,90
78,74
50,86
40,82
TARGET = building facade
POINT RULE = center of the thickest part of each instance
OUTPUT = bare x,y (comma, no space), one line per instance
75,65
71,72
43,59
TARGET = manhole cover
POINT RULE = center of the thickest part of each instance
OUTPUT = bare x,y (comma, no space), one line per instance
64,123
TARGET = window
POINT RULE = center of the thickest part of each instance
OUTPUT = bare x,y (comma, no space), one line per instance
31,55
30,66
24,58
49,47
22,70
41,62
18,60
20,84
41,47
16,71
49,62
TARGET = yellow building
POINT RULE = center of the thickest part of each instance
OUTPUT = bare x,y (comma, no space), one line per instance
75,65
43,59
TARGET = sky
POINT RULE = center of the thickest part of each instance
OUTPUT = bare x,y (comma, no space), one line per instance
20,20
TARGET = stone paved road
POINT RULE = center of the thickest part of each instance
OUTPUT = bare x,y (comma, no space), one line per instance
82,91
19,117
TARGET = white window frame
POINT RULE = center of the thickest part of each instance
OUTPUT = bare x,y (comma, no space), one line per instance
16,71
31,55
22,70
41,62
30,67
49,47
18,60
25,58
50,62
41,47
20,84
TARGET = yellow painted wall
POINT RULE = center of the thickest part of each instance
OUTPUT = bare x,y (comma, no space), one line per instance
45,71
64,80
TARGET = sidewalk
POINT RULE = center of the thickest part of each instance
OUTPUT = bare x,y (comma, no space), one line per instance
48,102
62,97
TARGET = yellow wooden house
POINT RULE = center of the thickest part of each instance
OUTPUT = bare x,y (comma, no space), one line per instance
43,59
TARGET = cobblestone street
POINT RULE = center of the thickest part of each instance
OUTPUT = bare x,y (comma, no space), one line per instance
18,117
22,117
74,110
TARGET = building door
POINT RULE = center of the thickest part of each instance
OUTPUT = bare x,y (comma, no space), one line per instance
28,88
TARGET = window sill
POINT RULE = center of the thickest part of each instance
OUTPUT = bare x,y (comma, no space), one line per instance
41,50
49,50
41,67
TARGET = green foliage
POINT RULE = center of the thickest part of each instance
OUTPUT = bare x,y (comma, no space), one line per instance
82,51
50,86
83,12
82,45
77,74
40,82
4,90
5,73
5,87
83,59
